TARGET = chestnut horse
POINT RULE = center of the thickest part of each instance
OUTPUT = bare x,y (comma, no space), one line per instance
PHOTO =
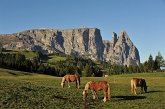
97,86
71,78
138,82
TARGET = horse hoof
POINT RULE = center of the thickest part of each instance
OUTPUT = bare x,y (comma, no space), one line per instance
104,100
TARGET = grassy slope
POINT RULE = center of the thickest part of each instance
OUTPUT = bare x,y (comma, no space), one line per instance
28,54
53,59
20,90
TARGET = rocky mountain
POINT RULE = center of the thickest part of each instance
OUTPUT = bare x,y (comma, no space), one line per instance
85,42
121,51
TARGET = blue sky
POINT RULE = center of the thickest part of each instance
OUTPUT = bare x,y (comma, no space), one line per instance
143,20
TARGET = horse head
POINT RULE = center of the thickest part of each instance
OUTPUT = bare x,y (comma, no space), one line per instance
145,86
85,92
145,89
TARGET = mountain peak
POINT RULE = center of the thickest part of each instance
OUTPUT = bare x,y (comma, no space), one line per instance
122,50
85,42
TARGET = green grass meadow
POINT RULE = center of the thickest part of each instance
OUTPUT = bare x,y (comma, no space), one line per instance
22,90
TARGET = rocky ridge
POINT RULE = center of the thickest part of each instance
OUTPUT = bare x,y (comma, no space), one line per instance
85,42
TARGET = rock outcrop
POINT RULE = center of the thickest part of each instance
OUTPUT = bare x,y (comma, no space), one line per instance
121,50
85,42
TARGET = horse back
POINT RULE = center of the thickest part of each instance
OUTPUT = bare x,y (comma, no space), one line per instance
137,81
66,77
72,77
99,85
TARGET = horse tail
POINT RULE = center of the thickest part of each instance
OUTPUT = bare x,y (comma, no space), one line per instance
62,82
109,91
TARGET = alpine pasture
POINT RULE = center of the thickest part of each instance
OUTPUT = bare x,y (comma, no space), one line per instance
27,90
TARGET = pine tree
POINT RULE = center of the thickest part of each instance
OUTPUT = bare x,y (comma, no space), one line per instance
160,60
150,63
156,64
1,47
35,63
87,70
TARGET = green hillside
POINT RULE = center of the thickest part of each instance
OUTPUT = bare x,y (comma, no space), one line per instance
53,59
28,54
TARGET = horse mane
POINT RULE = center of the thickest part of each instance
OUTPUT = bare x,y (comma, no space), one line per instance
87,85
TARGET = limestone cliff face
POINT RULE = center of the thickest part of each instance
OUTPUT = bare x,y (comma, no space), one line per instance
86,42
121,50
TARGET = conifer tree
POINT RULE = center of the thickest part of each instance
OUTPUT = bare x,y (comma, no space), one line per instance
150,63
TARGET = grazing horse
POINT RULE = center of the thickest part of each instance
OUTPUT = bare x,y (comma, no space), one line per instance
138,82
71,78
97,86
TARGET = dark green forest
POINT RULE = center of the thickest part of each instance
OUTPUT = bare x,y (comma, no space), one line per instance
72,65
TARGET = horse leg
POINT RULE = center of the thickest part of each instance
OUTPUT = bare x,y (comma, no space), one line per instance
93,94
62,85
135,90
77,84
63,82
141,90
132,87
68,85
105,97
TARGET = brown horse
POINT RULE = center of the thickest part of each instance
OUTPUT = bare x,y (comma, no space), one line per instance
71,78
138,82
97,86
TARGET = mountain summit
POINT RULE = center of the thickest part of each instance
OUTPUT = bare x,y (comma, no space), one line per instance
85,42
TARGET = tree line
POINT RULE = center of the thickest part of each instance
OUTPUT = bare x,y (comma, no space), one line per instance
72,65
151,65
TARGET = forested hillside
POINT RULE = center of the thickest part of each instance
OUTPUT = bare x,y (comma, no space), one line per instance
60,64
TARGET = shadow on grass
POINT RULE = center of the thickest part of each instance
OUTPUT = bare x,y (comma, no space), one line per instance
27,89
19,73
129,97
155,91
12,73
60,97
